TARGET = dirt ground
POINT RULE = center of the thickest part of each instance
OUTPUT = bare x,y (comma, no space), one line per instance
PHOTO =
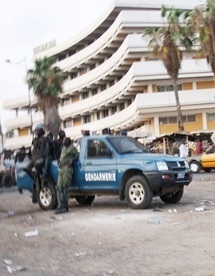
109,238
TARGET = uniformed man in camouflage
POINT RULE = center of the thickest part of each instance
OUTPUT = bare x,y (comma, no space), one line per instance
68,155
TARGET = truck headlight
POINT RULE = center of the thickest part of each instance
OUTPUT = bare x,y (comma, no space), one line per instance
162,166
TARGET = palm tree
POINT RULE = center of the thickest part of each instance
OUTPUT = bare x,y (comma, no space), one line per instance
165,42
47,81
202,21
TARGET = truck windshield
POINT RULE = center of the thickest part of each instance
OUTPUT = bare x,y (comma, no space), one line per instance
125,144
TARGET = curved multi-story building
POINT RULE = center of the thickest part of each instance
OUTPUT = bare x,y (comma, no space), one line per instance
114,81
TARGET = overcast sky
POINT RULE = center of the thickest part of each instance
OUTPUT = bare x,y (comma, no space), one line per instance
26,24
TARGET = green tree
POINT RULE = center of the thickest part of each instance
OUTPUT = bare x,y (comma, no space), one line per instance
47,81
166,42
202,21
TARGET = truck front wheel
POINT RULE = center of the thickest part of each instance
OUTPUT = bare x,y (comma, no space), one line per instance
172,198
47,197
85,200
137,192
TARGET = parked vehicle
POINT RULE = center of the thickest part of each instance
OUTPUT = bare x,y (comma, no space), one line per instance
204,161
114,165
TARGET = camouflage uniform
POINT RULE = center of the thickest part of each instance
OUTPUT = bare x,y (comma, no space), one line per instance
68,154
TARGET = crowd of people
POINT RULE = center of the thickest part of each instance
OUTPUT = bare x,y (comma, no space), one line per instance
44,150
188,147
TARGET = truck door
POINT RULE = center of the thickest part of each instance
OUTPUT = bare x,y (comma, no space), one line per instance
99,167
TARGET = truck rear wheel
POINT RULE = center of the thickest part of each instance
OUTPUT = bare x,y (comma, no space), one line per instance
137,192
47,197
85,200
172,198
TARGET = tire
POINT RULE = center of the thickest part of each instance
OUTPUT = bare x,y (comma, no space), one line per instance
195,166
8,180
172,198
85,200
207,170
138,193
47,197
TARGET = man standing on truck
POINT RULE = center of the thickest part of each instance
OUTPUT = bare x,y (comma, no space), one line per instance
39,152
68,155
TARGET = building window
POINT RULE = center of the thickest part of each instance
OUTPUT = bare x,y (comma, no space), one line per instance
61,57
68,123
73,75
98,115
105,113
103,87
75,98
82,71
129,102
163,121
71,53
77,121
66,101
121,106
94,91
101,61
85,95
174,120
166,88
211,117
87,119
192,118
92,66
113,109
111,83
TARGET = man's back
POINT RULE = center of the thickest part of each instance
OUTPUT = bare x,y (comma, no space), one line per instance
39,148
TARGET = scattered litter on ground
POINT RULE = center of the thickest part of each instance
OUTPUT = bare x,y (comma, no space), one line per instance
11,268
8,262
80,254
155,221
52,218
201,209
31,233
9,213
172,211
27,221
176,223
20,268
207,202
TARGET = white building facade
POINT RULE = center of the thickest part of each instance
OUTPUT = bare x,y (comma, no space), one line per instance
115,82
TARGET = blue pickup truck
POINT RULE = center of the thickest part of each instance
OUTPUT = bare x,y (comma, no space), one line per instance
113,165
